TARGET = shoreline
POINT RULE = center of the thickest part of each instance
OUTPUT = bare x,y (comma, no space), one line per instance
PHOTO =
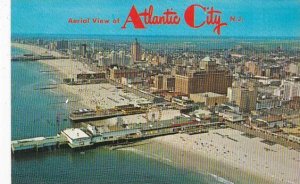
64,68
201,153
184,159
246,160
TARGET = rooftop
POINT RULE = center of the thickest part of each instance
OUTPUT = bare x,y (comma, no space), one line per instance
207,58
75,133
208,94
271,118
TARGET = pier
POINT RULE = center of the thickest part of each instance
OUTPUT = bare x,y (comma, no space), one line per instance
94,116
91,135
31,57
38,143
54,86
82,115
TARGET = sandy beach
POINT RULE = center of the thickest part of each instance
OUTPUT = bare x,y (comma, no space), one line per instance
228,153
35,49
224,152
68,68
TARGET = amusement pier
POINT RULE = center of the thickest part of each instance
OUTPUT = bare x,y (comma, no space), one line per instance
120,134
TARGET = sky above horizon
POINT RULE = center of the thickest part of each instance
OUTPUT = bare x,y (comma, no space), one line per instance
275,18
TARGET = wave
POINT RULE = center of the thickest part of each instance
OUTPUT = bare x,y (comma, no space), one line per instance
220,179
161,158
53,81
148,155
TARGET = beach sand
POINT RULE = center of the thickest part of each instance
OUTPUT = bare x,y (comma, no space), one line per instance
224,152
228,153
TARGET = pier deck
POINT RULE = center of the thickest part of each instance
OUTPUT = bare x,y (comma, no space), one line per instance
37,143
91,115
95,116
36,57
91,135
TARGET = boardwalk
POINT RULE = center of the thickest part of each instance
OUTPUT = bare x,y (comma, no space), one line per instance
265,135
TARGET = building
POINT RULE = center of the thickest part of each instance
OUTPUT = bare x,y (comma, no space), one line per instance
202,114
77,137
91,77
295,103
209,98
291,88
253,67
118,73
39,42
268,103
209,78
182,101
99,57
260,69
164,82
244,95
104,61
62,45
207,64
159,81
270,121
294,69
169,83
216,81
231,106
52,46
82,50
232,117
135,51
231,94
121,59
274,71
137,81
114,58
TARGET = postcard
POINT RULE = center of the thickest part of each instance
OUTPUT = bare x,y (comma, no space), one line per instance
157,92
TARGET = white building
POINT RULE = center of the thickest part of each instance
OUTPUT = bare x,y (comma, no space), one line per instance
135,80
114,58
76,137
294,68
232,117
290,88
269,103
121,60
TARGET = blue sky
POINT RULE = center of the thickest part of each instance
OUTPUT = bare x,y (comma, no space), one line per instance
260,17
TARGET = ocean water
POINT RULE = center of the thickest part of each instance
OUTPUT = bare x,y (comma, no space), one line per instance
42,113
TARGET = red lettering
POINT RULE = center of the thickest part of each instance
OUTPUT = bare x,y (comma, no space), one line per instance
134,18
213,17
189,15
168,17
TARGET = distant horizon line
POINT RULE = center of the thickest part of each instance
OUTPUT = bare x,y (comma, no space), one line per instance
204,36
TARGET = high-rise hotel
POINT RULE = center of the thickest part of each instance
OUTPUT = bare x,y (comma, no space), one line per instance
135,51
208,79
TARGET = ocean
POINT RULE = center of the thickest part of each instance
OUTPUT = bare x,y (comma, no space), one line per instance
44,113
